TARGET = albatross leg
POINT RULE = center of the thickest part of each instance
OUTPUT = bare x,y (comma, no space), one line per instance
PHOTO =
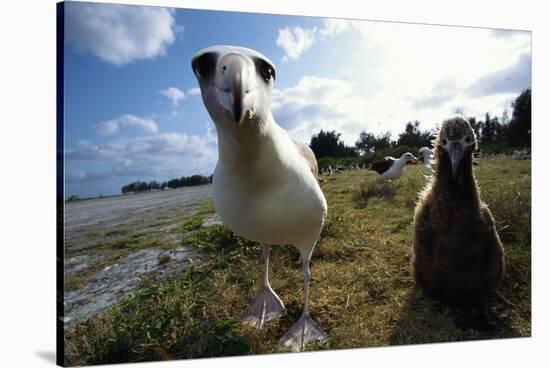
305,330
266,305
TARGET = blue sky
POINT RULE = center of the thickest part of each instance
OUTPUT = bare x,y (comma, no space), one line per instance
132,111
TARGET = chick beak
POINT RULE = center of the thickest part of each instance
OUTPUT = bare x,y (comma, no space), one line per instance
455,152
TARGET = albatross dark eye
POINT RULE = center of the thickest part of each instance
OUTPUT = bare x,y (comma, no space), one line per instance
204,65
468,139
266,70
444,142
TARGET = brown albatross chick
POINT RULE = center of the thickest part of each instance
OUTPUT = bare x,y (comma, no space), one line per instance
458,256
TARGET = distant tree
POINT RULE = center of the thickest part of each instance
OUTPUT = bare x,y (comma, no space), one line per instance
142,186
414,137
383,141
519,132
130,188
197,180
153,185
184,181
328,144
369,143
501,132
173,183
493,131
365,143
505,118
347,151
488,132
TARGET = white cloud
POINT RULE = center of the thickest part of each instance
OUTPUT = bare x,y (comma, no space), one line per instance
119,34
333,27
106,167
316,103
513,78
194,91
295,41
173,94
444,91
393,73
128,120
416,56
419,56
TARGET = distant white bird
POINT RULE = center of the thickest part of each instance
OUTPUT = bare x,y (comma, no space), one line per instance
521,155
265,184
390,168
426,156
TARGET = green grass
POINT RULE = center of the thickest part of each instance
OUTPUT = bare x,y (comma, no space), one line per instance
73,282
374,188
164,258
362,291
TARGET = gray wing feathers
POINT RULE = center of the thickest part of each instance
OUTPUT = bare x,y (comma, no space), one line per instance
308,154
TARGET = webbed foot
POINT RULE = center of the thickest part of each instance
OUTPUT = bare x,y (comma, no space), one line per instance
303,332
265,306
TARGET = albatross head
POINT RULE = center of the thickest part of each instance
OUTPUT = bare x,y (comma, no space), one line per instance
456,137
235,83
409,158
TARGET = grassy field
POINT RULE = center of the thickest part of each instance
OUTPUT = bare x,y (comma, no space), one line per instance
362,290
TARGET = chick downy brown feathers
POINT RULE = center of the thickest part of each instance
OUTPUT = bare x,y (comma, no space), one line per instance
458,256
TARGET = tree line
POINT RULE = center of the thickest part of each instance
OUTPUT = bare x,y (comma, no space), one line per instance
495,135
184,181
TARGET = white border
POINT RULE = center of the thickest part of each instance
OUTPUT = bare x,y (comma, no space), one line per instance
27,164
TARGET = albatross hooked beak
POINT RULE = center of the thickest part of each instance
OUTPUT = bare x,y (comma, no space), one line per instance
455,153
235,81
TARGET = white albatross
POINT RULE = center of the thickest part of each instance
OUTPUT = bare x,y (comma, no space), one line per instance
390,168
265,184
426,156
